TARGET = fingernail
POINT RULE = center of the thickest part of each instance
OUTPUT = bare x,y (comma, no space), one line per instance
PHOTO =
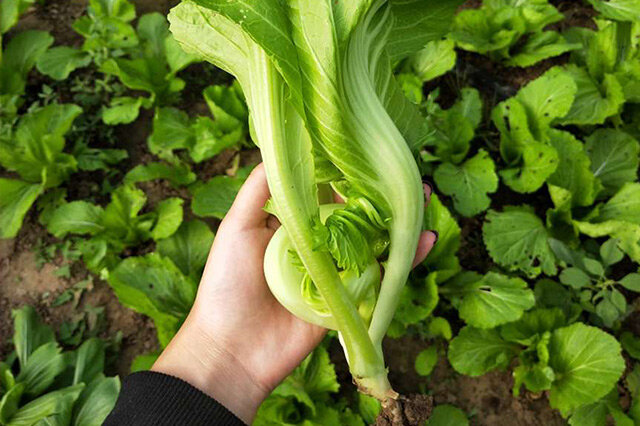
437,234
426,182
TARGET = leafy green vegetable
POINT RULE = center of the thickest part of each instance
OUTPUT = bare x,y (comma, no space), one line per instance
151,68
518,240
447,415
36,153
327,71
489,301
54,387
524,122
511,31
587,362
154,286
202,137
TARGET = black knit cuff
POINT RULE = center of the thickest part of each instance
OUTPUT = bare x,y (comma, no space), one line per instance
155,399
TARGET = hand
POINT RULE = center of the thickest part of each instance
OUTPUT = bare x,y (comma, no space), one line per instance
238,342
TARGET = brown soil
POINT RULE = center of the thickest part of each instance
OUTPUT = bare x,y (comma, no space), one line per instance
22,283
413,410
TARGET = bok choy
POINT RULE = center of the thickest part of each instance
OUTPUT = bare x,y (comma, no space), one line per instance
329,116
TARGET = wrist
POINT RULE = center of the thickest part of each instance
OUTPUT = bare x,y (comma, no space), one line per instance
197,358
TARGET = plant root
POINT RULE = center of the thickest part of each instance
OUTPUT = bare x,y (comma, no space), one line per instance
413,410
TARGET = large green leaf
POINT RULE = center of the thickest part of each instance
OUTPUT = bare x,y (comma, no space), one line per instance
469,183
595,101
154,286
189,247
19,57
447,415
490,300
77,217
96,401
10,11
418,22
169,217
622,10
30,333
90,361
587,363
214,198
53,404
16,198
43,366
614,158
61,61
518,240
574,169
474,351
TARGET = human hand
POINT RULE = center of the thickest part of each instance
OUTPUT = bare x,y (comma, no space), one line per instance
238,342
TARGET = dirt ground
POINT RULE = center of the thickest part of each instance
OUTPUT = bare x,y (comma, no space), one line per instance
22,281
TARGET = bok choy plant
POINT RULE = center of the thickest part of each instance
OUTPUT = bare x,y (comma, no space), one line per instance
327,114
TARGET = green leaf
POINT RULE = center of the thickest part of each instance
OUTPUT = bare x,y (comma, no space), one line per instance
170,214
469,183
490,300
154,286
631,282
574,169
595,101
144,362
59,62
539,161
36,149
434,60
77,217
123,110
30,333
540,46
426,361
41,369
368,407
518,240
587,363
425,20
610,253
10,402
56,403
614,158
96,401
19,57
312,381
90,361
189,247
447,415
171,131
620,10
631,344
16,198
575,278
417,301
92,159
10,11
443,255
474,352
214,198
177,174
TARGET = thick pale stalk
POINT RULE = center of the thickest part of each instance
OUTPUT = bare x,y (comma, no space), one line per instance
268,108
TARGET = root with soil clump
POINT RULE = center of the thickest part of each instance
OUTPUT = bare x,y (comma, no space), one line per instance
412,410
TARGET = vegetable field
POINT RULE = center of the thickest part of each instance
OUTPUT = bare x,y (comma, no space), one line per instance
127,128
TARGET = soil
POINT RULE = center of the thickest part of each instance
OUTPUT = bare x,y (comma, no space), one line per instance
412,410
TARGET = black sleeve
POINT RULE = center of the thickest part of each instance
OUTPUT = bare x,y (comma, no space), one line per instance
155,399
